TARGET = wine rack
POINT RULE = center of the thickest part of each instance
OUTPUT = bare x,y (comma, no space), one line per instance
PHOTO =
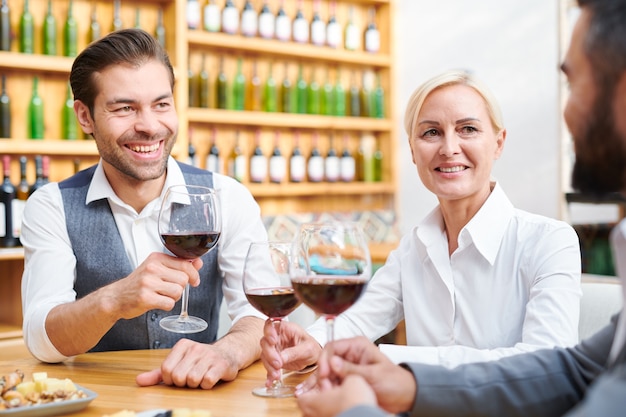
187,49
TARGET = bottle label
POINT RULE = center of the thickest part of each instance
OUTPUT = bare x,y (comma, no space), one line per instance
296,168
300,30
332,168
352,37
18,212
230,20
372,40
212,21
3,226
193,14
213,163
258,168
266,25
333,35
347,168
278,169
239,168
316,169
283,29
318,33
249,23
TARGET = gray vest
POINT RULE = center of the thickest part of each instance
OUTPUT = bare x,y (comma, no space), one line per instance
101,259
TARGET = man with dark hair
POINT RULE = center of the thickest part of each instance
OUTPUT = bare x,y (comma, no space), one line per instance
586,380
97,276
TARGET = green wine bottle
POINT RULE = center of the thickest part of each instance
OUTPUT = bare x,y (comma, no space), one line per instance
35,113
340,97
5,26
379,99
354,98
192,85
327,97
27,29
116,24
70,33
286,92
269,98
137,18
94,26
203,85
5,110
222,87
313,95
239,88
301,92
255,96
68,118
366,96
49,32
159,31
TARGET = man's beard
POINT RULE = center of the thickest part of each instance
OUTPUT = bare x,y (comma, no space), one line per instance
600,165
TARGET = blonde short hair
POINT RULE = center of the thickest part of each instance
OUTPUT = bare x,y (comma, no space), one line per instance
448,78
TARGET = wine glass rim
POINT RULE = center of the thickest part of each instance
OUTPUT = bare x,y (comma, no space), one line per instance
191,189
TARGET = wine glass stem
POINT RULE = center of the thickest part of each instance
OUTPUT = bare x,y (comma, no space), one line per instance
278,383
330,336
184,302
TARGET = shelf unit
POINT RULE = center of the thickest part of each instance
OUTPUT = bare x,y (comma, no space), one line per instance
186,48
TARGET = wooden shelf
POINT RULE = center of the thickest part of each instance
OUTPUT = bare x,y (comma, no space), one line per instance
288,190
8,331
48,147
35,62
286,120
7,254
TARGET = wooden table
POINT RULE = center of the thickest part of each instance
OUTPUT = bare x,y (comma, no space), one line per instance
112,376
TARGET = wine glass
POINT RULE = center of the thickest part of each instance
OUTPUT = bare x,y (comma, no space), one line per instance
268,288
330,269
189,226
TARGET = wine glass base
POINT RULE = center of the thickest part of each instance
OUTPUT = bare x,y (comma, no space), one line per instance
283,391
180,324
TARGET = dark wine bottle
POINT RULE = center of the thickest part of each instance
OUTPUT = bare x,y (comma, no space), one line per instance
300,26
297,163
346,164
69,125
41,173
94,26
331,163
377,165
315,163
313,95
192,85
203,85
372,34
27,30
283,24
278,167
239,88
21,194
258,161
159,30
249,20
191,151
270,99
286,92
318,27
254,101
5,110
301,92
35,113
116,24
213,161
212,17
8,236
5,26
49,32
266,22
230,18
222,87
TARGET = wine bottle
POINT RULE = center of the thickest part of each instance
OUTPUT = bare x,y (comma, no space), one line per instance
347,163
283,24
278,167
254,101
203,85
300,26
116,24
68,117
27,30
352,32
191,150
192,85
249,20
212,21
239,87
76,164
5,26
297,163
313,95
359,164
35,113
327,97
192,14
301,92
331,163
286,92
5,110
354,95
367,150
315,163
137,18
340,96
213,161
366,95
266,22
41,173
318,27
379,99
372,34
258,161
270,99
377,165
49,32
8,238
222,87
21,194
159,30
237,161
70,33
333,28
94,26
230,18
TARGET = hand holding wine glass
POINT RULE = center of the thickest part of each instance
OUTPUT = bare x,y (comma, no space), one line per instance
268,288
189,226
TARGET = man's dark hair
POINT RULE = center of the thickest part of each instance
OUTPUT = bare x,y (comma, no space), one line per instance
127,46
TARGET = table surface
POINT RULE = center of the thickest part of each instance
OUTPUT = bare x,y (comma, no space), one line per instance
111,375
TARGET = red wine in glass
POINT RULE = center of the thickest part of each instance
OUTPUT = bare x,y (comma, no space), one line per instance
328,295
190,245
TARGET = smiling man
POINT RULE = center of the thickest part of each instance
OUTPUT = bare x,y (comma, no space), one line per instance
97,276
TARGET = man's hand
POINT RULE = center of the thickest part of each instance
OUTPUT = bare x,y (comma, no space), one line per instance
331,400
297,349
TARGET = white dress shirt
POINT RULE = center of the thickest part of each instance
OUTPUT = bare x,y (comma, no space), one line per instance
49,262
513,285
